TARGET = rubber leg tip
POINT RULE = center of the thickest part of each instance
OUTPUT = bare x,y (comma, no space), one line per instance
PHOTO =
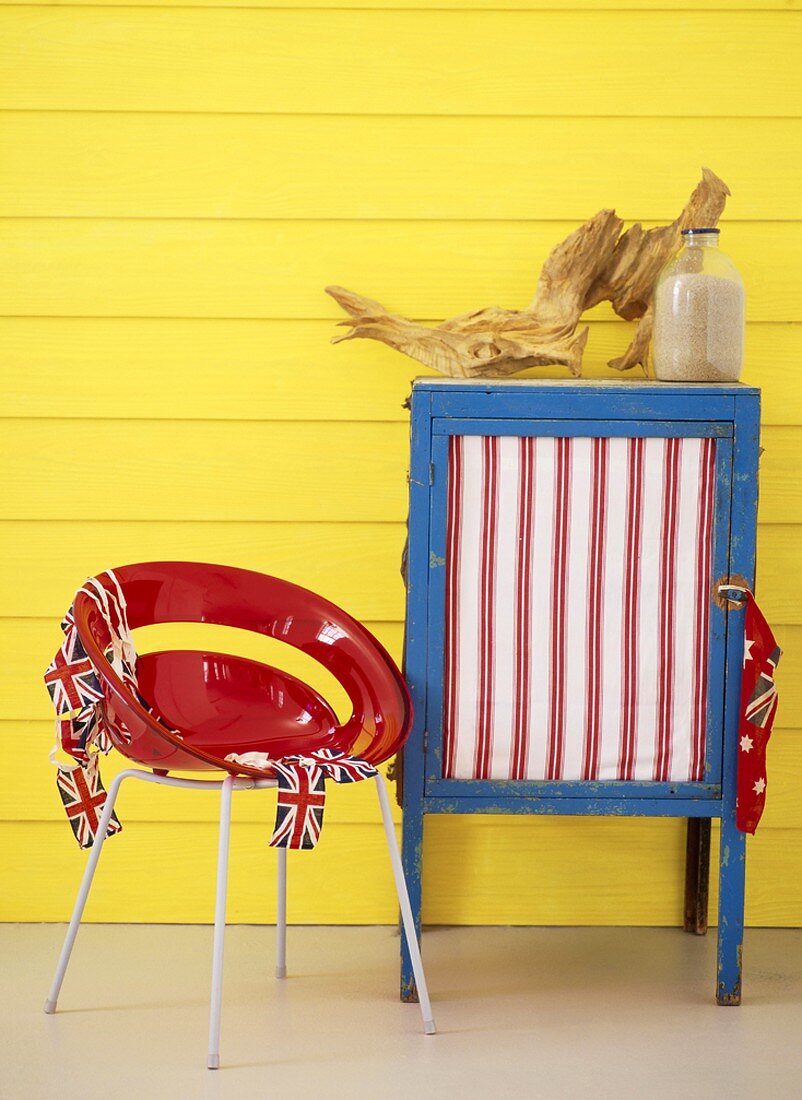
50,1007
429,1028
281,972
213,1061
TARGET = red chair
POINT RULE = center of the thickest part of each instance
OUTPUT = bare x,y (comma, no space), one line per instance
214,704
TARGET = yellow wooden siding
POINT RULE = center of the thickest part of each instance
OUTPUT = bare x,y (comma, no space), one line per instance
699,63
461,5
356,565
183,180
269,166
240,268
166,368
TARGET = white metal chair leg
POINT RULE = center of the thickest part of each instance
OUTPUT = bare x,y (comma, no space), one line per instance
83,892
406,909
281,915
213,1061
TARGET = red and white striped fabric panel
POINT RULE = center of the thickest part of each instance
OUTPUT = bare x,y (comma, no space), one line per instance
577,607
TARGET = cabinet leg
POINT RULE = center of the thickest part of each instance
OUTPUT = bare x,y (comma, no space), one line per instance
732,878
411,858
697,875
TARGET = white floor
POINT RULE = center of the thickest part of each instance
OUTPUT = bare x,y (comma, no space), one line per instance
521,1012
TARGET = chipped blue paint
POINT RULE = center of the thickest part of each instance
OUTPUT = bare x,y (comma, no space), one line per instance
732,860
571,807
730,414
478,789
415,656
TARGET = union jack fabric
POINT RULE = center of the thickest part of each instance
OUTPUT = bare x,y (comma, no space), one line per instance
578,576
76,732
299,807
70,678
84,797
758,707
339,766
76,694
302,789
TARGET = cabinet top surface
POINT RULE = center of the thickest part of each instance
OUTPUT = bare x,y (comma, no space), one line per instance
477,385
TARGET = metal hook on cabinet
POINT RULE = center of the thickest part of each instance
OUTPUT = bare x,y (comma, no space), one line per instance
724,592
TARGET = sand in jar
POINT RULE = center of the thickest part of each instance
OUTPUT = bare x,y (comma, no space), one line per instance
698,332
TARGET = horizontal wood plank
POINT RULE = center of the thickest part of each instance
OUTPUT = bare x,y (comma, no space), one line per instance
568,871
192,470
393,62
268,166
354,564
490,887
28,645
134,368
201,268
249,470
453,5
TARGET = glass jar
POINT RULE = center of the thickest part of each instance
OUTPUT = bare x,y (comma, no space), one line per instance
698,314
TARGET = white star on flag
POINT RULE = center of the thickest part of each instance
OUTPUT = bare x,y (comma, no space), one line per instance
760,786
746,743
748,650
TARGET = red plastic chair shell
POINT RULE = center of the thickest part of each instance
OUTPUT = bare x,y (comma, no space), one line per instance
212,704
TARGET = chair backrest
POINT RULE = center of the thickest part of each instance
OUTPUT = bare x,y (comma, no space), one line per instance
163,592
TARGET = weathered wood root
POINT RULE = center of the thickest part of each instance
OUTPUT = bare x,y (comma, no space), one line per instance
593,264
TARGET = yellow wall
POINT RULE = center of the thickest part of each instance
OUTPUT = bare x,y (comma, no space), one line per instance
179,181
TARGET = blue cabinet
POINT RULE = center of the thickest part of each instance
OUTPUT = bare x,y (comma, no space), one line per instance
567,646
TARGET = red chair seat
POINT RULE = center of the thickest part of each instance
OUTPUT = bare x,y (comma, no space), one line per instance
222,704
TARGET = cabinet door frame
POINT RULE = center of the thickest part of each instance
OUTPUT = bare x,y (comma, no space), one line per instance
573,796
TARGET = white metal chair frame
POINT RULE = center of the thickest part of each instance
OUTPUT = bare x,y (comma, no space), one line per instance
226,786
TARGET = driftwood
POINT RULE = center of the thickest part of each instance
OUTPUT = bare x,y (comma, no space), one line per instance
596,263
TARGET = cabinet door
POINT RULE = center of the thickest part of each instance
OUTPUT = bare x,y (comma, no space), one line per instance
572,637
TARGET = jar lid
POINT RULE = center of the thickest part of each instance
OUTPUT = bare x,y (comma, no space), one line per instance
706,229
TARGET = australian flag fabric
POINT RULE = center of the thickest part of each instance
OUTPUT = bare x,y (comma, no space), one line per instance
758,708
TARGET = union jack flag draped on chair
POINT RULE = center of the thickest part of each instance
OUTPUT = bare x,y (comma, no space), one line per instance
299,807
70,677
84,797
76,695
758,707
302,790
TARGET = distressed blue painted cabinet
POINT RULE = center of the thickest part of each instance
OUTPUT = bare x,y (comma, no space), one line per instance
567,648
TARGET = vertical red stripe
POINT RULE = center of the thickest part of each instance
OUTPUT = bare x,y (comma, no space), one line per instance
666,609
453,543
487,593
704,537
629,639
559,590
523,608
595,621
